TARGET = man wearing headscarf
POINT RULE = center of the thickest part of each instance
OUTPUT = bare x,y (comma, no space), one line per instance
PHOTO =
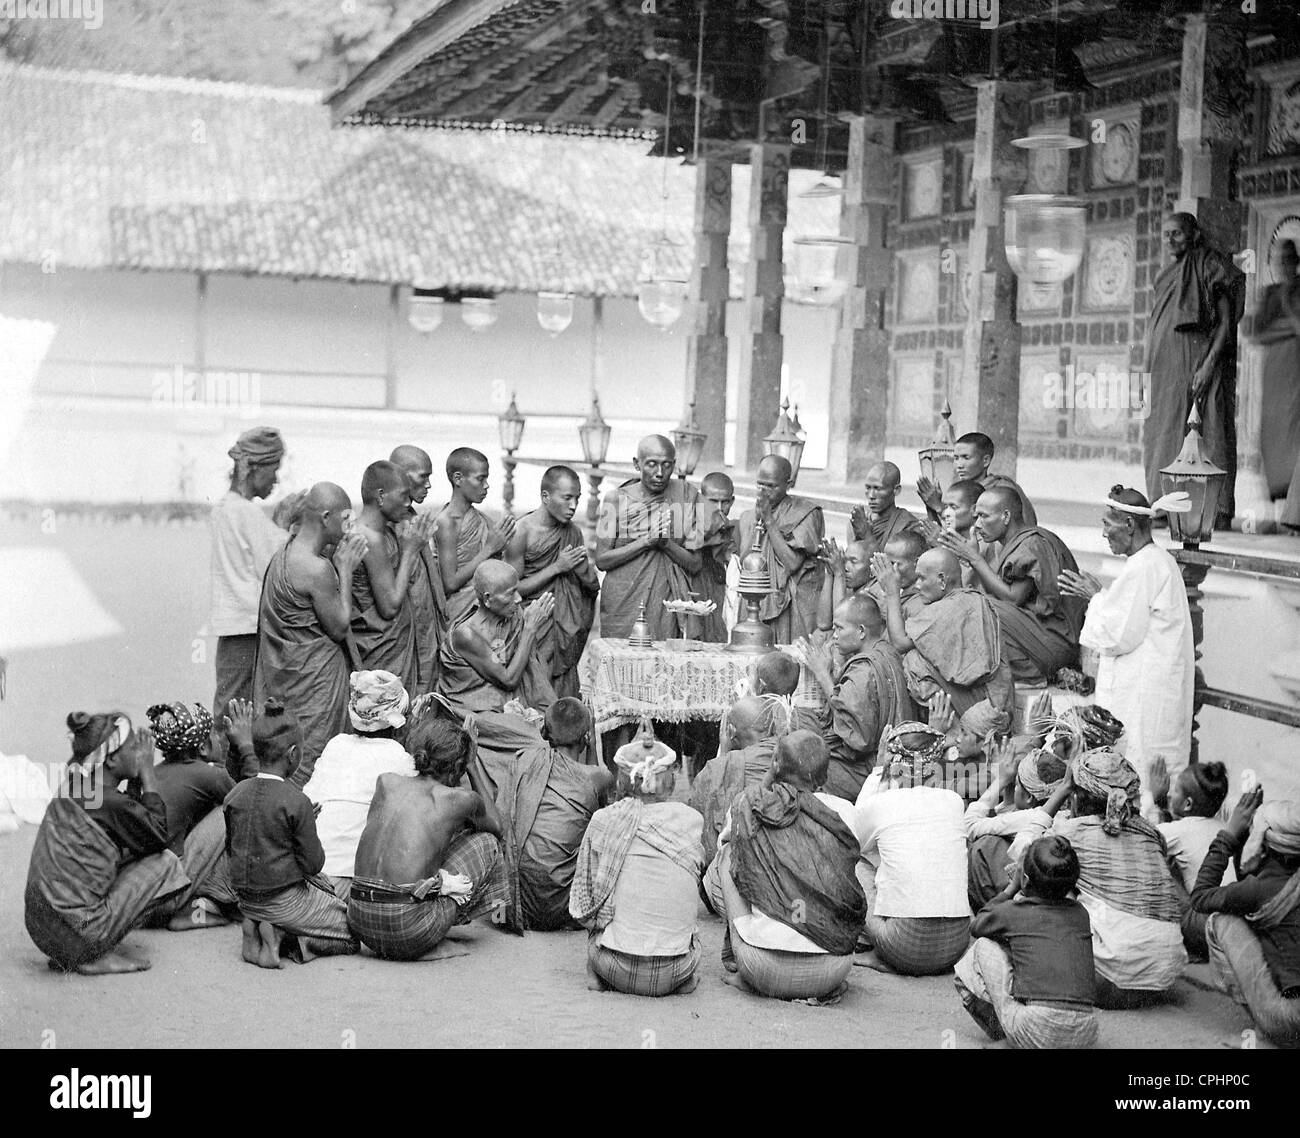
1133,897
343,782
244,539
1253,933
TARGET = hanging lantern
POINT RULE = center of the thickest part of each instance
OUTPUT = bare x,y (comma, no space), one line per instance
785,441
555,311
594,435
938,460
425,311
1044,237
815,262
478,312
661,287
511,426
689,441
1193,472
794,422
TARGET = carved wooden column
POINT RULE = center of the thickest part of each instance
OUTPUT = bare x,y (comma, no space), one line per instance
762,344
859,390
989,395
706,350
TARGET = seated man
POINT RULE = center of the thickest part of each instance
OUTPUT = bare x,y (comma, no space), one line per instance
636,888
438,841
343,783
973,458
546,801
862,676
101,865
952,642
787,874
881,520
957,516
489,657
1040,624
918,919
1028,974
903,552
750,731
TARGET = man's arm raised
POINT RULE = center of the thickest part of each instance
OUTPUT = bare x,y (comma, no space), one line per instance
445,533
390,587
1017,592
471,645
331,589
887,575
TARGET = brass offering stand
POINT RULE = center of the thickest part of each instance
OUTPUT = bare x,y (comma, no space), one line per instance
751,636
640,637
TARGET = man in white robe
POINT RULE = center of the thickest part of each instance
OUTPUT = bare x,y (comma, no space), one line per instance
1142,628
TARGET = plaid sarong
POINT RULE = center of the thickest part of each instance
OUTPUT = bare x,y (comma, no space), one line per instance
309,911
919,946
642,975
407,930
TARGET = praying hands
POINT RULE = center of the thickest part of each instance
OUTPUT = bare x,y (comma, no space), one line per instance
886,574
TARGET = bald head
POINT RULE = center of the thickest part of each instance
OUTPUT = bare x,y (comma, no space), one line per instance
1004,499
864,612
567,721
801,760
744,717
776,467
888,474
881,487
998,514
379,477
718,485
493,577
655,446
938,573
411,458
776,673
655,458
326,496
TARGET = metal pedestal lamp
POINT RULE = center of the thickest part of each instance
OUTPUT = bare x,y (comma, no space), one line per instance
938,460
786,441
511,426
689,442
1193,472
594,434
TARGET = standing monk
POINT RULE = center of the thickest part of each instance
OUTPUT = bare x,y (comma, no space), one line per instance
303,657
647,543
464,537
880,519
550,556
718,495
1197,301
428,602
795,529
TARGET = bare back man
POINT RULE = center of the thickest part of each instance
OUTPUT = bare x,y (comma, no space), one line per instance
880,520
464,538
428,601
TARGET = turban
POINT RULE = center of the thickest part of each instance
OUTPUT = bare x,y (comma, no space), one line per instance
378,701
983,718
1104,774
645,759
1086,728
179,729
1276,826
257,446
912,761
95,737
1040,772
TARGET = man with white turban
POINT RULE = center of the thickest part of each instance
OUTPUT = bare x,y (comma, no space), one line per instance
343,781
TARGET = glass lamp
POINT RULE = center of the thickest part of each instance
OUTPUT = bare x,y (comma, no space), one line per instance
815,261
1193,472
938,460
1044,237
689,441
785,441
594,434
661,287
478,312
555,311
511,425
425,311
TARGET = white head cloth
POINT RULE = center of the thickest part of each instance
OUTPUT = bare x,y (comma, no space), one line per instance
1179,502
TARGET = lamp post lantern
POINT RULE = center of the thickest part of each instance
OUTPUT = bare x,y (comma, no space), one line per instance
938,460
689,441
510,424
1193,472
786,441
594,435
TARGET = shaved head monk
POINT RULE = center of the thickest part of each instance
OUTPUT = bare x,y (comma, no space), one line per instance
647,544
463,537
974,456
383,621
428,601
718,495
903,551
303,622
550,555
1040,625
881,519
952,642
794,530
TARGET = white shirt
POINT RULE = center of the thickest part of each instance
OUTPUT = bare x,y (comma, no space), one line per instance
921,840
1188,840
342,784
244,539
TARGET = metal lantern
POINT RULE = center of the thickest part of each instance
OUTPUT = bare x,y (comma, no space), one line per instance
689,441
425,311
555,311
594,434
1044,237
661,287
511,425
938,460
1193,472
478,312
794,422
816,262
785,441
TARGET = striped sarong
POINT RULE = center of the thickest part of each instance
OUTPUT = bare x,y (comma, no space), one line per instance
311,914
642,975
406,930
919,946
984,976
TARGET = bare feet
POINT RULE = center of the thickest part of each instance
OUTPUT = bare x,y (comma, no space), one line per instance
203,914
268,955
115,962
252,942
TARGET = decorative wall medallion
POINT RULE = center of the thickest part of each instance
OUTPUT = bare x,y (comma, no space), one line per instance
923,188
1284,117
918,287
1288,229
1108,271
1115,161
912,400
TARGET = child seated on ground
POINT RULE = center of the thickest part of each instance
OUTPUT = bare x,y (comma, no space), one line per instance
1194,801
1028,974
275,854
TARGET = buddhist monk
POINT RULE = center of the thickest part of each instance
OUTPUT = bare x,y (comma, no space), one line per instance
464,538
862,677
550,556
903,551
428,602
973,456
383,621
1040,625
718,495
303,657
794,531
958,516
953,642
647,544
881,519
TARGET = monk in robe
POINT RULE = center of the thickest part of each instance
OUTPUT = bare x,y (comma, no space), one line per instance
862,676
903,551
303,654
953,642
383,621
794,530
463,536
718,547
550,556
1040,625
1197,301
647,544
749,733
881,519
545,803
958,517
428,602
973,455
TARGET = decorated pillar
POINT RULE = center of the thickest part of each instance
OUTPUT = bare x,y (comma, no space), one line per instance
762,344
706,349
859,390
